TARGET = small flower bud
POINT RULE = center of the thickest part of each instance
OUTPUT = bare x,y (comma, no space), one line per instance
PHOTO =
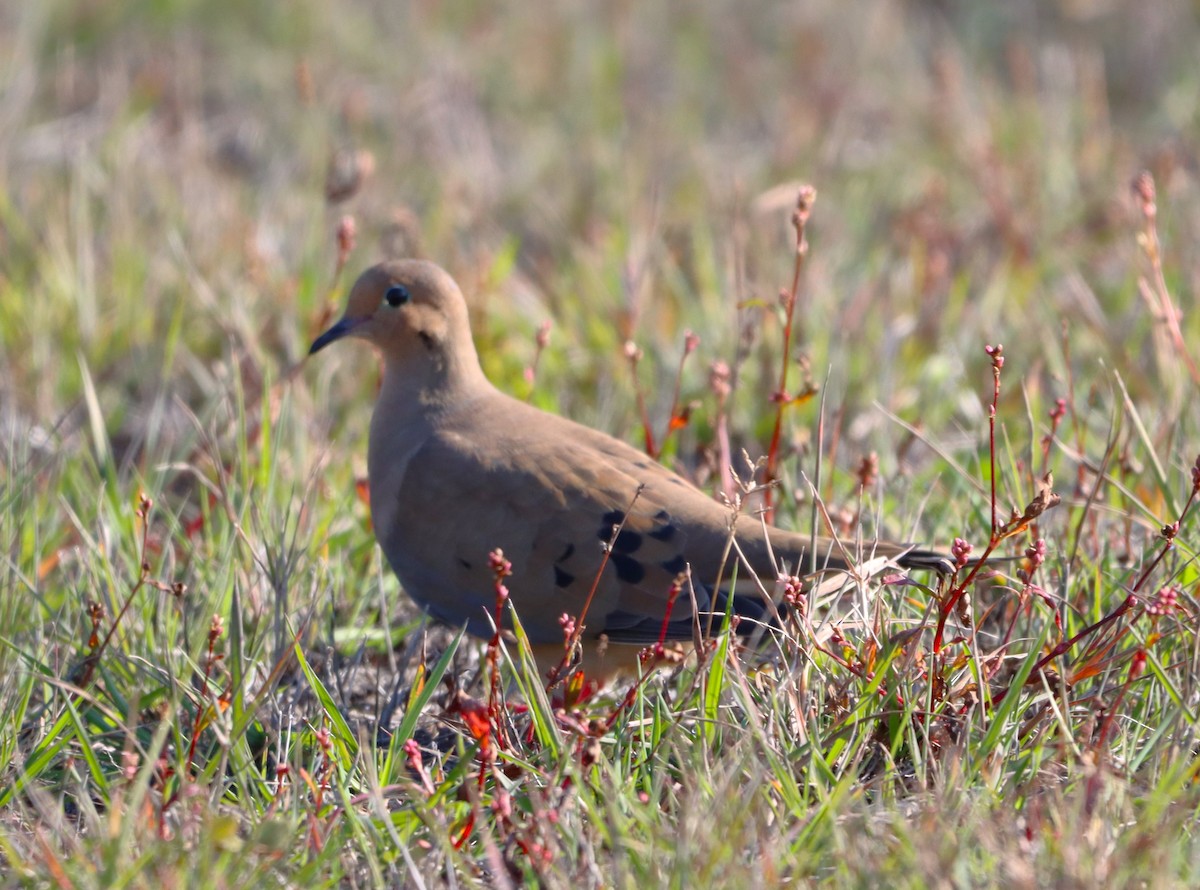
997,354
960,550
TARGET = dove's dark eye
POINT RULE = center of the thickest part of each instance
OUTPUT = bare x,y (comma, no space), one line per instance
397,295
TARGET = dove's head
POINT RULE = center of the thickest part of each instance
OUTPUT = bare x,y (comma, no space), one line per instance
414,313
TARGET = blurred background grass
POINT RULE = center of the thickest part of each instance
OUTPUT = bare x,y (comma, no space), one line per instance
626,170
164,165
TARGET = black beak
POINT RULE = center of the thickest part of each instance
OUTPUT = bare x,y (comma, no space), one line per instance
339,330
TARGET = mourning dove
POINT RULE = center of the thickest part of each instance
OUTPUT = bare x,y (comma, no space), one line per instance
458,468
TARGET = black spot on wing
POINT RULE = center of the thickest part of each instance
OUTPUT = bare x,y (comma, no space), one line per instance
561,578
464,563
665,529
567,553
611,518
675,564
628,569
627,542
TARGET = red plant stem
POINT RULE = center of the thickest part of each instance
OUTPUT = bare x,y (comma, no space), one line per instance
1132,599
772,472
634,355
649,654
957,592
93,658
570,645
627,701
1056,417
804,204
213,635
672,595
501,569
1168,534
1063,647
997,354
673,416
587,604
997,364
1137,665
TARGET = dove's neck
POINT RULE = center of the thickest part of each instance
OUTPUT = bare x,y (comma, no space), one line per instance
413,402
417,391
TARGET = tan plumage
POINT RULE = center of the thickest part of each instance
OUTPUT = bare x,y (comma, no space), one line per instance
458,468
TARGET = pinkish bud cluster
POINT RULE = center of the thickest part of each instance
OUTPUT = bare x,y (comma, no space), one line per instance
501,569
805,199
567,623
412,751
1196,475
1165,601
1057,413
793,590
1035,555
416,762
500,566
997,354
691,340
324,739
960,550
543,334
1036,552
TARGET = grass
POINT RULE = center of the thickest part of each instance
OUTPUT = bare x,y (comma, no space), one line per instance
208,676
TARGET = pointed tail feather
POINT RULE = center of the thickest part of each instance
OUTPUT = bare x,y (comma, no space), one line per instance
918,558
